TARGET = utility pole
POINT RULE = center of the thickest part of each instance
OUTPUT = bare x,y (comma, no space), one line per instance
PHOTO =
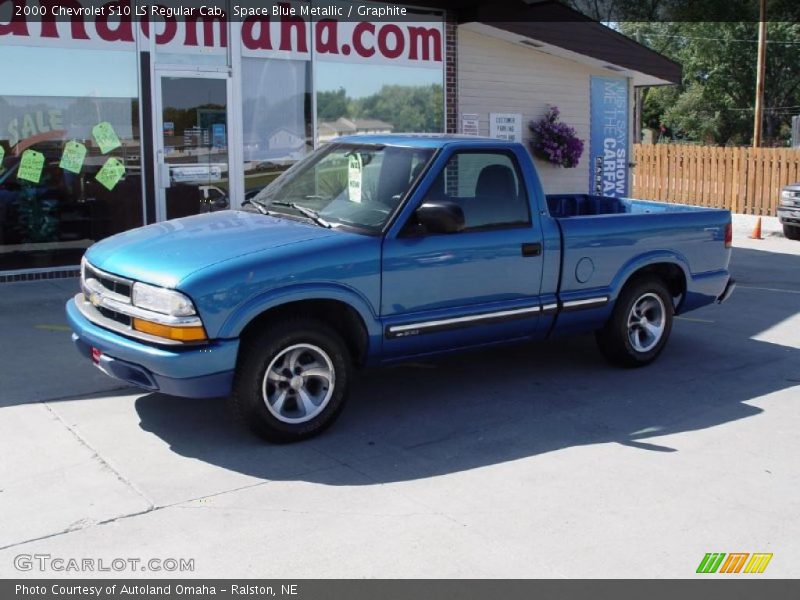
762,61
638,104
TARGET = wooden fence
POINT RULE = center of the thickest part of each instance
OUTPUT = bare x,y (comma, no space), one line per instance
744,180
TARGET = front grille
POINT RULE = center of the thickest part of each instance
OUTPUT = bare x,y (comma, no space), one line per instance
114,316
110,286
111,283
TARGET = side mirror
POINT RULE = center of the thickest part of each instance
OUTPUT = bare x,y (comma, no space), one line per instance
441,216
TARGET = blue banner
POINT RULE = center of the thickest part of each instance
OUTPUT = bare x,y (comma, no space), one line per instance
609,137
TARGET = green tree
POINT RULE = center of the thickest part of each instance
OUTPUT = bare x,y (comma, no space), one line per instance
332,104
716,100
715,41
409,108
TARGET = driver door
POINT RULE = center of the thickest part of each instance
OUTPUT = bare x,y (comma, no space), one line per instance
477,286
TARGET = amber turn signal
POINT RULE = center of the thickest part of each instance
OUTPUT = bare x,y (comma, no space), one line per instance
195,333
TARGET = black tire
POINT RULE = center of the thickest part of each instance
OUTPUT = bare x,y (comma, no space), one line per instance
614,340
791,232
257,353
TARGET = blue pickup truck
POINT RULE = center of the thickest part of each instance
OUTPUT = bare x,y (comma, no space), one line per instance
381,248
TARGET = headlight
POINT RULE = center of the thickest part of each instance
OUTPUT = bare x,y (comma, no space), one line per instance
162,300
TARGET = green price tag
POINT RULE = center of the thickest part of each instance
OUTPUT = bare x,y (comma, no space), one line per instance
111,173
106,137
31,165
2,154
72,159
355,171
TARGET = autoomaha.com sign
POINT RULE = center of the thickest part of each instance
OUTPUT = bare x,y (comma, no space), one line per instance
284,32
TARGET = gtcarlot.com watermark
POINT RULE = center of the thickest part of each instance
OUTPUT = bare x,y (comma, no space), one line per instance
45,563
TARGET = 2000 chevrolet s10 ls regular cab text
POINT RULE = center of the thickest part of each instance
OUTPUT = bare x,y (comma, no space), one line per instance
381,248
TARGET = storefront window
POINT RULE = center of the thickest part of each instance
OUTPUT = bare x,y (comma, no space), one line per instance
276,117
362,99
370,77
196,39
69,142
378,77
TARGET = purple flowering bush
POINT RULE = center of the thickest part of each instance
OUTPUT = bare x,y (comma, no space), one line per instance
554,141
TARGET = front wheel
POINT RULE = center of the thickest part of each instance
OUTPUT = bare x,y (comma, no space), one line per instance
791,232
639,326
291,380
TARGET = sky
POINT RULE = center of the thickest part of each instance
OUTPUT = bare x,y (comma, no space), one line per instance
31,71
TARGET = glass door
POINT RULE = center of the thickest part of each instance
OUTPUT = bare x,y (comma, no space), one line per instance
193,171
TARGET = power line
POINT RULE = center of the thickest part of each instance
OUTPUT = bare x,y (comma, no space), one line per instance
694,37
773,111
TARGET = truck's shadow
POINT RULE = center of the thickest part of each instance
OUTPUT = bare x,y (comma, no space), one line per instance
462,412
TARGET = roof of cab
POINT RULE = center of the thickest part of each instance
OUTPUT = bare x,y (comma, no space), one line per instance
421,140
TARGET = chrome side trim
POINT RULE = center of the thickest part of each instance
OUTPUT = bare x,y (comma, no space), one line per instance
410,329
587,303
428,326
93,315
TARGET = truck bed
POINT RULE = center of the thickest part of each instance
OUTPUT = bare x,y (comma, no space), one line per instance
565,206
603,239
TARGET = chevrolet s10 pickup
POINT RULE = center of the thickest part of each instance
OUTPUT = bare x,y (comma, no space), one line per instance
376,249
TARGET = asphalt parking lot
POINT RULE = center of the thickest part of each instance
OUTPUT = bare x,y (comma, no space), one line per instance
531,461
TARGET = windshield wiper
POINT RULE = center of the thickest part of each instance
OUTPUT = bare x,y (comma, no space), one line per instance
306,212
259,207
262,208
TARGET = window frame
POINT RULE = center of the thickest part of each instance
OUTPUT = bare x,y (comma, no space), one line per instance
410,228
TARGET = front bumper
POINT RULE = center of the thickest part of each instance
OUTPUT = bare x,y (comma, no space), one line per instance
789,215
194,371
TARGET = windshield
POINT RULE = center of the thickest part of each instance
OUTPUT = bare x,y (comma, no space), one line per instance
359,185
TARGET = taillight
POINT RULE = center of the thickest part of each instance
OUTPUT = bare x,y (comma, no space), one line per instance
729,235
96,355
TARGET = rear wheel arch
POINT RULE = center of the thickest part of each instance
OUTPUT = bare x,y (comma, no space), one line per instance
671,274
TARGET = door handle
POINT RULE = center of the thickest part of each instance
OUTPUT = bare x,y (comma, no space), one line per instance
164,175
532,249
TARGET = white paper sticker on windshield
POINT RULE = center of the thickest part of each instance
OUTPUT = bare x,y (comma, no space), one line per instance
354,176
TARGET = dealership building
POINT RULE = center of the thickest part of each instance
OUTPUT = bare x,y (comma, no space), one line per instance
128,117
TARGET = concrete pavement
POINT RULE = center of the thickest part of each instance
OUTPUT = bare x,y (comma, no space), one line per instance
532,461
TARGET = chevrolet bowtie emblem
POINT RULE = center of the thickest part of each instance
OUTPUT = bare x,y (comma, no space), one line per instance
94,299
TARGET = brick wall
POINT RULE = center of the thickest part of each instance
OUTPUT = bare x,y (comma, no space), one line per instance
450,72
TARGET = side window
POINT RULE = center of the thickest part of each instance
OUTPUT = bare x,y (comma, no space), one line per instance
488,188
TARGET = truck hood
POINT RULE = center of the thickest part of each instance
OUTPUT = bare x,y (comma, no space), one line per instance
166,253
